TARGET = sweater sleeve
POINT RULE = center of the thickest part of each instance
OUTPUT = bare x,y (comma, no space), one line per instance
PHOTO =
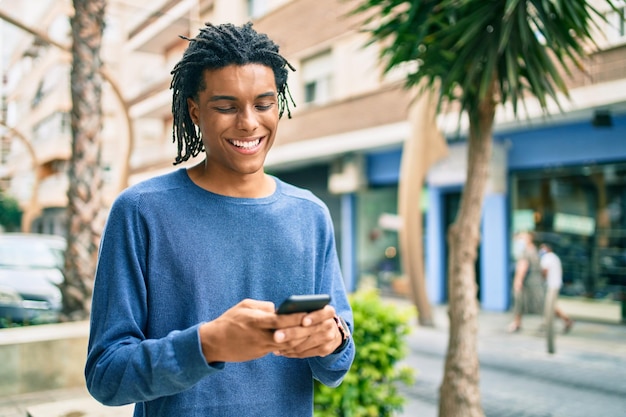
123,365
330,370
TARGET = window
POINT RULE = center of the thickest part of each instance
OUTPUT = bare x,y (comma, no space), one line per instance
53,78
317,73
39,95
107,173
56,124
616,31
257,8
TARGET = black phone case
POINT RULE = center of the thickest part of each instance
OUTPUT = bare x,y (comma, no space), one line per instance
303,303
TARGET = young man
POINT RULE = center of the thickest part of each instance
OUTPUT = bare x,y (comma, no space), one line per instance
192,264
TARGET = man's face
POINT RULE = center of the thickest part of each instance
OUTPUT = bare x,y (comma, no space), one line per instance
237,114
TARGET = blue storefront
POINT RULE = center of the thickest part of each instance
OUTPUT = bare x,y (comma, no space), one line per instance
566,182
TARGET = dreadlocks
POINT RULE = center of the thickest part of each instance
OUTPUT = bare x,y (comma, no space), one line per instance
215,47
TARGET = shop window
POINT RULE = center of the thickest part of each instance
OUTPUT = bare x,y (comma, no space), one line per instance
378,254
581,212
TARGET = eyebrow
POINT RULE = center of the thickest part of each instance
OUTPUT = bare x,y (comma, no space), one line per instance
233,98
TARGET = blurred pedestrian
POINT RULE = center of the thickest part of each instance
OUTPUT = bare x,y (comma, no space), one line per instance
191,263
528,283
553,273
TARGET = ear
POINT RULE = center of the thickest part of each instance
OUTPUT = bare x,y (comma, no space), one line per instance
193,110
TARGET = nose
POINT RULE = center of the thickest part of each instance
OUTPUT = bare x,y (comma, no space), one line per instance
247,120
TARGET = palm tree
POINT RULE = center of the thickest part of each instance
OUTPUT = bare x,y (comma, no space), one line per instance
85,208
478,54
77,288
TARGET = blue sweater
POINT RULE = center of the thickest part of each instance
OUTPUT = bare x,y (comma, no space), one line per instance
174,255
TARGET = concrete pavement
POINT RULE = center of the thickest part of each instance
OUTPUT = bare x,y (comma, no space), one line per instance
591,358
519,378
58,403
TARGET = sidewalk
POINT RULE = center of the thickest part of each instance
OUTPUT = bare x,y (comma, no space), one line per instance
591,358
598,348
590,336
59,403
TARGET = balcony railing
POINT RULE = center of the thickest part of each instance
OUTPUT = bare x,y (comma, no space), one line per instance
162,27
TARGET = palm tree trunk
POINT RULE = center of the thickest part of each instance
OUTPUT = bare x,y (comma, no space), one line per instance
424,146
460,391
84,213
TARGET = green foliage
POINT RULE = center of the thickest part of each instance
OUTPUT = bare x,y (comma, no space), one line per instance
370,387
468,45
6,323
10,213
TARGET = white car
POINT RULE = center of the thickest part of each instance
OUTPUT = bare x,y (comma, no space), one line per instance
31,268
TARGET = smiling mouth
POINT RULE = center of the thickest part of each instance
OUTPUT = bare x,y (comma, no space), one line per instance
246,144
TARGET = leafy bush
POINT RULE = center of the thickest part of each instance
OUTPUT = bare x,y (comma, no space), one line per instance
370,389
10,214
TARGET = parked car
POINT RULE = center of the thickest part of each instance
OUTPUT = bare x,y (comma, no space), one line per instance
31,268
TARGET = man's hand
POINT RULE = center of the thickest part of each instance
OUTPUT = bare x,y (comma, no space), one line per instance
316,335
244,332
252,329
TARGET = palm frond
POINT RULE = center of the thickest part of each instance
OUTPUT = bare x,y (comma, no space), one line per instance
526,46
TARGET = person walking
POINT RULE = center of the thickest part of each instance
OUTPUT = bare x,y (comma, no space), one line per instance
193,263
528,285
552,270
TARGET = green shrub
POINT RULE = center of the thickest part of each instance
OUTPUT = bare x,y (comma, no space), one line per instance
370,389
10,214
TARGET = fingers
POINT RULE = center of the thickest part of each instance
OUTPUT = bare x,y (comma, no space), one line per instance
318,339
308,347
266,306
252,329
262,315
244,332
284,321
328,312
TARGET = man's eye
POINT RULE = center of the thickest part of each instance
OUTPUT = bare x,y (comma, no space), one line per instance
226,109
264,107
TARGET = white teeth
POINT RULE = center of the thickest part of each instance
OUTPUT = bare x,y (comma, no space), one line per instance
245,144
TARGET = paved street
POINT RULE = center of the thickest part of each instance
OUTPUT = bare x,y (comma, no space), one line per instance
585,377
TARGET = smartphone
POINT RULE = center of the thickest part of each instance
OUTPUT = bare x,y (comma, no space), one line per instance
303,303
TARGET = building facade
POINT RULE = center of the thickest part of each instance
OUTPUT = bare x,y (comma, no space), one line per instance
563,176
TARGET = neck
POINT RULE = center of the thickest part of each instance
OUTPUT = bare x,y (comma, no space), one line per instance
255,185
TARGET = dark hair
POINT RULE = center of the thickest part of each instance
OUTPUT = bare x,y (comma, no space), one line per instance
215,47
